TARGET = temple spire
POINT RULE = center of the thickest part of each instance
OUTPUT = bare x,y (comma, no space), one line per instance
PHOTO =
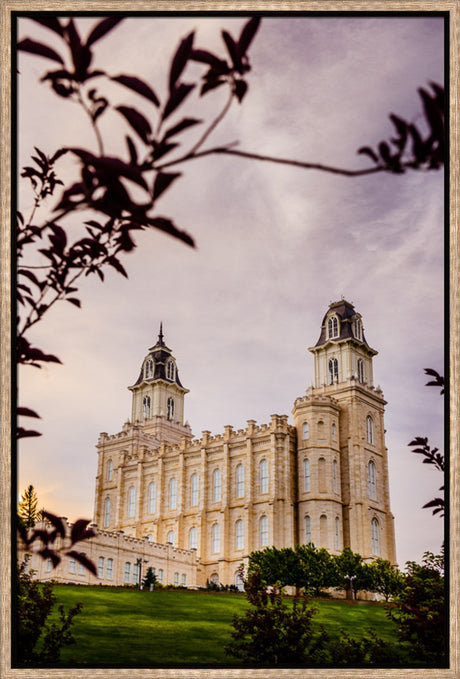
160,336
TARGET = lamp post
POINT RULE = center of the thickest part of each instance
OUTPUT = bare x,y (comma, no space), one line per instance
139,562
351,578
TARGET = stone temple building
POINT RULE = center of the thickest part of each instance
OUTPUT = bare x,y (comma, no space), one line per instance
323,479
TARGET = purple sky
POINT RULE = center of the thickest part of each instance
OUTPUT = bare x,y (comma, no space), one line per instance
275,245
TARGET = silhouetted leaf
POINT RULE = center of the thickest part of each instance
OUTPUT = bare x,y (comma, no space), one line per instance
79,532
184,124
167,226
27,412
233,50
102,28
176,98
180,59
206,57
47,553
52,23
138,86
74,301
84,560
137,121
366,150
33,47
240,89
162,181
22,433
247,34
56,521
132,150
113,261
211,85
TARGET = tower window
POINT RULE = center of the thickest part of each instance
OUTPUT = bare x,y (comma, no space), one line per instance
334,476
193,538
361,370
152,497
369,429
263,531
264,476
358,329
306,475
337,533
109,470
146,407
171,538
215,534
170,406
307,529
323,536
194,489
332,327
148,369
239,534
333,371
371,480
334,432
240,481
322,475
216,485
106,512
305,430
173,493
375,546
170,370
131,501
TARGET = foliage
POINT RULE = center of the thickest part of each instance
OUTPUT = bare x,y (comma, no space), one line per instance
432,455
54,541
273,633
385,578
420,610
317,568
28,512
150,578
38,639
367,650
353,573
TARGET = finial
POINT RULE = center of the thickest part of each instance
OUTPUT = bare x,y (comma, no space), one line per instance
160,336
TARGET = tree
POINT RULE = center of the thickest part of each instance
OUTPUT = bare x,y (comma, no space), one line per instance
28,513
150,578
38,639
273,633
354,574
317,567
420,610
385,578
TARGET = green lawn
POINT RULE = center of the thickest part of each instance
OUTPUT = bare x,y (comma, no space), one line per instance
126,627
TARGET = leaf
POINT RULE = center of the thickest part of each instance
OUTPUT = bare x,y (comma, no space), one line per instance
205,57
47,553
247,34
183,125
384,151
33,47
366,150
52,23
132,150
74,301
167,226
102,28
137,121
84,560
113,261
56,521
79,532
176,98
241,88
162,181
27,412
22,433
233,50
138,86
180,59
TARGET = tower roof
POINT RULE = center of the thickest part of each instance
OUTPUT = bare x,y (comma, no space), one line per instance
159,354
347,315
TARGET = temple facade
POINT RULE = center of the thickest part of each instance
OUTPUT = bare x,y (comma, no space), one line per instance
322,479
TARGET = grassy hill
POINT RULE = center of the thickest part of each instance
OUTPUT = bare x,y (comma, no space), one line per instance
127,627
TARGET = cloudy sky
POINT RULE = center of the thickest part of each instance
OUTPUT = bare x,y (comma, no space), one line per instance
275,245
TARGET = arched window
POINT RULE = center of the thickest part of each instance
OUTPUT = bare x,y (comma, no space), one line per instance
106,512
193,538
307,529
109,569
239,534
358,329
334,476
375,546
372,480
305,430
337,533
127,571
332,327
215,535
194,489
334,432
322,475
131,501
100,567
170,408
216,485
361,370
369,429
146,407
306,475
148,370
170,370
152,498
173,493
323,536
171,538
264,476
263,531
160,575
333,370
214,578
109,470
240,481
239,581
135,573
